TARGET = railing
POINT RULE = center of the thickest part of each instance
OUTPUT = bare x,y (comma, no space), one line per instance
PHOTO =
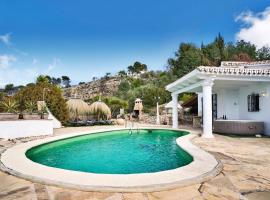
131,125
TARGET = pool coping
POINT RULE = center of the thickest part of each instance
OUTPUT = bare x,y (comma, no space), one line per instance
203,167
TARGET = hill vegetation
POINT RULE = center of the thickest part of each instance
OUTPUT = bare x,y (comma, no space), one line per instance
136,81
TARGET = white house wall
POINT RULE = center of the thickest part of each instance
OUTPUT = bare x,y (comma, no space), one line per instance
264,113
25,128
228,103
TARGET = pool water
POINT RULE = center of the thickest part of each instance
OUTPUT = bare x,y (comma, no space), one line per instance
114,152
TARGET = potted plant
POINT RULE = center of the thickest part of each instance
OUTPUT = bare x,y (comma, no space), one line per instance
31,111
10,108
43,113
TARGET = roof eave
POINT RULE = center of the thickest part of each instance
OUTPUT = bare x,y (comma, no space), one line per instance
193,73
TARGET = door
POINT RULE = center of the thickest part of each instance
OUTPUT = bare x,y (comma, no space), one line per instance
214,107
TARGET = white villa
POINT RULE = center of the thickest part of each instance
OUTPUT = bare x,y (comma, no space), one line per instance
233,92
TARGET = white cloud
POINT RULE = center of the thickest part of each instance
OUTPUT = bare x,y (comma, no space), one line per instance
19,75
52,66
256,27
6,60
14,75
34,61
5,38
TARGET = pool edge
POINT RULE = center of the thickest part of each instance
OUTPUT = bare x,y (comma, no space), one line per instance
184,142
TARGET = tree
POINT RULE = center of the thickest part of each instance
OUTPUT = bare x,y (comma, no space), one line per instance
263,53
122,73
247,48
54,98
131,69
115,104
2,95
30,84
56,81
243,57
49,78
123,89
212,53
139,67
9,87
42,79
187,58
81,83
219,41
107,75
66,81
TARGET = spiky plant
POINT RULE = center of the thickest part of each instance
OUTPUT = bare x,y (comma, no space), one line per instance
10,106
30,106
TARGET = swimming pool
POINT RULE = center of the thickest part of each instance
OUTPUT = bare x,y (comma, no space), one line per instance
115,152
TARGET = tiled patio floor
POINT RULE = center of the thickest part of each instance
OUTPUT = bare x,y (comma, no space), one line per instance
245,175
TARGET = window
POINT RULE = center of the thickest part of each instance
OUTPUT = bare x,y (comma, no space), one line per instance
253,103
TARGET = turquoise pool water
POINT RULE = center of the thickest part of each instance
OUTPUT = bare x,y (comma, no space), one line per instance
114,152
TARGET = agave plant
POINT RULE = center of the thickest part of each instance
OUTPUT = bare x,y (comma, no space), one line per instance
30,106
10,106
43,111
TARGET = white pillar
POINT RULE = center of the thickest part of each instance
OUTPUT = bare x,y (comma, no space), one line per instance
199,104
207,109
175,110
157,120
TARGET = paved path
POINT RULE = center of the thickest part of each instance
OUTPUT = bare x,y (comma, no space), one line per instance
245,175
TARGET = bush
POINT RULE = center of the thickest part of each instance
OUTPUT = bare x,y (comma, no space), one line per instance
53,97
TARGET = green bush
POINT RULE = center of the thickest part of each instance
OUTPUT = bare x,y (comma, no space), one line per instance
53,98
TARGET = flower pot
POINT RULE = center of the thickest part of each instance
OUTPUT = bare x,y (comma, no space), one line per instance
8,116
44,116
31,116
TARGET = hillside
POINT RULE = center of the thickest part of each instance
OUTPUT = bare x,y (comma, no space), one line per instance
105,86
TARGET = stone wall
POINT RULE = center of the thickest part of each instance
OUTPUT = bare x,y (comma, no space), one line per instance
151,119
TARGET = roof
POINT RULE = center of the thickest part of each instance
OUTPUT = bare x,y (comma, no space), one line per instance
245,64
77,106
235,71
259,71
100,106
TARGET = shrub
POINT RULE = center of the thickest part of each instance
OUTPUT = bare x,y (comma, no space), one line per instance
10,106
53,97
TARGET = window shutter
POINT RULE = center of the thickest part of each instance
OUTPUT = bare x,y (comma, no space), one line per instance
253,103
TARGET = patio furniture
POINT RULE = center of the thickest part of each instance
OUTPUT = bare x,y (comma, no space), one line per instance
239,127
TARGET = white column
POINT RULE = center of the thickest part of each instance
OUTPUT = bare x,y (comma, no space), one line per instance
157,120
207,109
199,104
175,110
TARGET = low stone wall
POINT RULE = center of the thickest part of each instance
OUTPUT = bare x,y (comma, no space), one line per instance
25,128
151,119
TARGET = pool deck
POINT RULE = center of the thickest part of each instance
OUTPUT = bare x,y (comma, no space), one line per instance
245,174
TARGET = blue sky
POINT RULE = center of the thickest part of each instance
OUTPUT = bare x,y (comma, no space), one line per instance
83,38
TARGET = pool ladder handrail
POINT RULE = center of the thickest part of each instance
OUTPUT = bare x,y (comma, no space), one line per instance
132,128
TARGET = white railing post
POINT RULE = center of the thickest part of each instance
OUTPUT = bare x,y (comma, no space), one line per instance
175,110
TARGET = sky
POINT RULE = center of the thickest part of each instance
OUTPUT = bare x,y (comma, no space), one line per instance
87,38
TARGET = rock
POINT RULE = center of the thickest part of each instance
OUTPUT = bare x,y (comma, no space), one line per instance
91,89
184,193
120,122
258,196
15,188
135,196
